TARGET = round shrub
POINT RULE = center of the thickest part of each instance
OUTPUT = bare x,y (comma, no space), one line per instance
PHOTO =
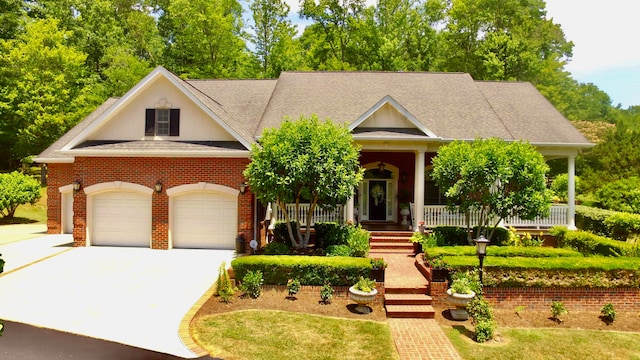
621,195
276,248
339,250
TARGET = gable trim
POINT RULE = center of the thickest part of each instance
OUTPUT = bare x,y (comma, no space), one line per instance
388,99
131,94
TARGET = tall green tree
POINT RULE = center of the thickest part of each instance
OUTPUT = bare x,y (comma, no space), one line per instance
17,189
496,178
273,38
307,160
42,79
10,15
204,38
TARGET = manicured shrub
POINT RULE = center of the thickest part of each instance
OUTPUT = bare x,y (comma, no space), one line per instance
293,286
252,284
326,293
608,313
310,270
591,244
482,318
338,250
484,330
224,289
592,219
557,309
503,251
500,236
276,248
358,241
621,195
330,233
452,235
622,226
281,233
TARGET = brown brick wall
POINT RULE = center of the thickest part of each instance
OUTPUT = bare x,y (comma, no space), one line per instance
577,299
146,171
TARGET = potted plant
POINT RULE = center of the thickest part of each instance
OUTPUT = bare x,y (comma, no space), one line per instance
460,293
377,269
404,211
439,268
364,293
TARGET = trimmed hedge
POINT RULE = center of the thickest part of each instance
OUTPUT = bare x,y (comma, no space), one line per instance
310,270
330,233
591,244
453,235
502,251
590,272
618,225
281,233
500,236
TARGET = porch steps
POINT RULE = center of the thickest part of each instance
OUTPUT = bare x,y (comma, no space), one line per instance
411,303
410,311
391,242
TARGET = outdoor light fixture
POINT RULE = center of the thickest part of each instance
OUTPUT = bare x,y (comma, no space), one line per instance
243,188
381,166
76,186
158,187
481,251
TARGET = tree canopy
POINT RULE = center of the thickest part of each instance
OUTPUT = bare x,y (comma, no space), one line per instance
306,160
498,178
17,189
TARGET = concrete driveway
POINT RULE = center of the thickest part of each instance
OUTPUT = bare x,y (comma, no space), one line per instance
133,296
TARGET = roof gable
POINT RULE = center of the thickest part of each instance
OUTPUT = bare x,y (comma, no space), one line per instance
162,89
389,114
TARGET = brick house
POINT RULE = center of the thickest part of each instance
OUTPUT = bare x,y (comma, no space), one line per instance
161,167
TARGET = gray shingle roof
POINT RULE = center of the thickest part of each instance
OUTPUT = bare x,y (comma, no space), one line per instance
449,105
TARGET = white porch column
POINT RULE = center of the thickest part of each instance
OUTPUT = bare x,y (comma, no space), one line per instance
348,213
418,193
571,198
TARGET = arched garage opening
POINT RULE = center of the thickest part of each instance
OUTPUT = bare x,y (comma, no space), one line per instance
203,216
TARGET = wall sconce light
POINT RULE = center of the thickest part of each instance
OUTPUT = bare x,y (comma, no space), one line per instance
243,188
158,187
76,186
381,166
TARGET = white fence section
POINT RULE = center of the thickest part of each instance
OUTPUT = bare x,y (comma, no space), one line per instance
319,215
439,215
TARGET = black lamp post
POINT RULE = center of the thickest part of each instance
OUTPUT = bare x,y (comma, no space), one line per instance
481,251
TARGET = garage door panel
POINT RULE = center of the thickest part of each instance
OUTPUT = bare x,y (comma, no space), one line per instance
122,218
204,220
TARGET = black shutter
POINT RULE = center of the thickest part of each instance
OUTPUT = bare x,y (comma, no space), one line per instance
174,122
150,123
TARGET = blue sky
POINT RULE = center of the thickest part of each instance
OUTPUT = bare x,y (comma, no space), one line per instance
606,47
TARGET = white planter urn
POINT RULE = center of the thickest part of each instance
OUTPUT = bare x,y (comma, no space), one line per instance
363,299
404,212
460,301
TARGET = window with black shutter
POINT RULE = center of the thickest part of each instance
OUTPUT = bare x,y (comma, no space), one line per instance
162,122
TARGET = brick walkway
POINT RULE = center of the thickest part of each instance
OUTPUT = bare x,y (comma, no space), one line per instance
414,338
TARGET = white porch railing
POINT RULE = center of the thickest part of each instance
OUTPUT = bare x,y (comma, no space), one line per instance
439,215
319,215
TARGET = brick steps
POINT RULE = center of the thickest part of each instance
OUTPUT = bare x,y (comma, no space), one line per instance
407,299
390,288
410,311
392,245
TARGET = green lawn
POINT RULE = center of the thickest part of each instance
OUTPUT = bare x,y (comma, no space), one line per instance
543,344
266,334
27,214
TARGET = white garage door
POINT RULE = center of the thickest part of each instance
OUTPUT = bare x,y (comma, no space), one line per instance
205,220
122,218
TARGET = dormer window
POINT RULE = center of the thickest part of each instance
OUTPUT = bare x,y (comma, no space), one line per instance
162,122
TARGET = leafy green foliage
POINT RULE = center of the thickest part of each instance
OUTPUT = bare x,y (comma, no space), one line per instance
560,186
591,244
500,179
358,241
526,239
482,318
503,251
17,189
310,270
326,293
427,240
466,282
608,313
500,236
304,159
452,235
623,226
338,250
281,232
293,286
592,219
276,248
618,225
224,289
330,233
378,263
557,309
621,195
252,283
365,284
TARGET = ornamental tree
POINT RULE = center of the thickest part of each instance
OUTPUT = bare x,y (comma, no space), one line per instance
17,189
307,160
497,178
